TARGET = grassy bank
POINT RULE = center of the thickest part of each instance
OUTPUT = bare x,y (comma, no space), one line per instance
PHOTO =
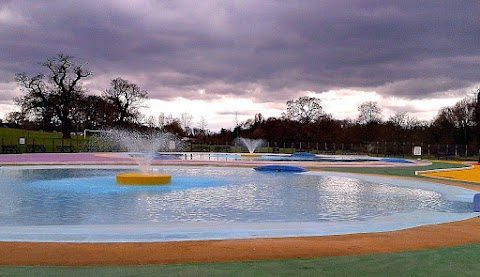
38,141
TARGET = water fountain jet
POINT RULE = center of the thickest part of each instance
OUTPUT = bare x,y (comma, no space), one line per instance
251,145
142,148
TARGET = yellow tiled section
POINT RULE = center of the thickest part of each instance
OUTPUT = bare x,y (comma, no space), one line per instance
468,175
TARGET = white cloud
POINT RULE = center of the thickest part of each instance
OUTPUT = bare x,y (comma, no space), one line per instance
343,103
10,17
221,113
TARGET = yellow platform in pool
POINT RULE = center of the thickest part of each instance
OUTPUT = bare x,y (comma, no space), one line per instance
251,155
142,179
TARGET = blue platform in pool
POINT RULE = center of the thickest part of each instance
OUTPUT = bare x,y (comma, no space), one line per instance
395,160
281,168
303,155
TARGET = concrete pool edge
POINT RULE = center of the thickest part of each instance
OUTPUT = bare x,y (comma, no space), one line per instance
147,233
76,254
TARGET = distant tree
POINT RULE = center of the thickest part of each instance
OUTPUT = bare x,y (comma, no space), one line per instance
399,119
151,121
369,112
477,116
164,120
186,121
126,98
54,99
201,132
259,118
305,109
15,119
175,128
98,112
161,120
443,126
455,124
462,115
202,124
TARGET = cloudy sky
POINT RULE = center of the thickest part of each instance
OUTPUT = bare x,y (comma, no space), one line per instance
227,60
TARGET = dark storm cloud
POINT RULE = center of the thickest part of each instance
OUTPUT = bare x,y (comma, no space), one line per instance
258,49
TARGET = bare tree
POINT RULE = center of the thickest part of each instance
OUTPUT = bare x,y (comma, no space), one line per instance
55,98
186,121
400,119
476,117
464,116
369,112
151,121
202,124
464,111
305,109
127,98
161,121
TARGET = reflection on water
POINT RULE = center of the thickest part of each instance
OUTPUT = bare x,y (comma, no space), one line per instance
203,194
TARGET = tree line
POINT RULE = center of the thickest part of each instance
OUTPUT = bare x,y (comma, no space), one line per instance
58,102
305,121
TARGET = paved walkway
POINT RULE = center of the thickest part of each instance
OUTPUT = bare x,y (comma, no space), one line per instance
58,158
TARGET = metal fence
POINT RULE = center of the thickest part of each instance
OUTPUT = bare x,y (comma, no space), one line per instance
39,145
388,149
376,148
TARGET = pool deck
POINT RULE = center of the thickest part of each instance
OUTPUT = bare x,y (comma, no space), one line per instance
116,159
418,238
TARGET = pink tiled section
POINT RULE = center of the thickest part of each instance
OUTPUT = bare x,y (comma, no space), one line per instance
116,159
58,158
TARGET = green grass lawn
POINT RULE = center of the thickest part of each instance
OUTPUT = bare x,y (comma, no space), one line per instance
12,135
453,261
51,141
394,171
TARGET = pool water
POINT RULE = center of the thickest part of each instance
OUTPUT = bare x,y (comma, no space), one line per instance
213,198
298,157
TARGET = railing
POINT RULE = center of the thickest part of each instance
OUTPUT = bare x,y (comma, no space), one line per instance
39,145
389,149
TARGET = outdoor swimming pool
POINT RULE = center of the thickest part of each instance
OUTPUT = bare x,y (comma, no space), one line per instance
81,203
